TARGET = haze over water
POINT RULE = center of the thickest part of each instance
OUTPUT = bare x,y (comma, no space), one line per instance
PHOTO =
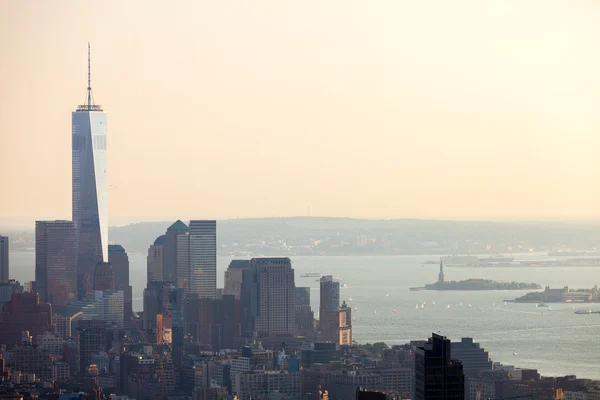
556,342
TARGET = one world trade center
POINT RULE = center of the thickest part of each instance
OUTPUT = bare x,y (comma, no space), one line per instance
90,187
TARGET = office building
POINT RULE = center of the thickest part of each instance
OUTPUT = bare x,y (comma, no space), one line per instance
203,258
107,306
56,261
233,277
276,296
263,384
321,353
305,318
30,359
155,260
437,376
23,313
90,186
472,356
4,270
118,258
104,278
92,339
175,234
328,309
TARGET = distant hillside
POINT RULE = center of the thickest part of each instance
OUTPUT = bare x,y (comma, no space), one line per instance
322,235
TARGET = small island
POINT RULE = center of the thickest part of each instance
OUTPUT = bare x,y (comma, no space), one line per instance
561,295
474,284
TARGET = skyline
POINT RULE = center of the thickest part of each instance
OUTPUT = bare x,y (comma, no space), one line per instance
349,116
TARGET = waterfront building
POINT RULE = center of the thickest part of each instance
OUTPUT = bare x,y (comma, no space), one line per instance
472,356
328,309
203,258
56,261
437,376
4,270
344,326
90,186
276,296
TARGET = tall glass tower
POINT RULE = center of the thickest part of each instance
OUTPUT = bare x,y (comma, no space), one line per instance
90,187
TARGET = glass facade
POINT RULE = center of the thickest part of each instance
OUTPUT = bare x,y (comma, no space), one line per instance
56,261
90,190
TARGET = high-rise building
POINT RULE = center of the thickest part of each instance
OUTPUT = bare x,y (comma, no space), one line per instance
276,296
304,315
473,357
328,309
437,376
233,277
345,325
90,186
92,339
203,258
104,277
174,232
56,261
4,271
118,258
155,260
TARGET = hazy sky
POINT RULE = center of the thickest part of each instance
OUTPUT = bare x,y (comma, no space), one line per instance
436,109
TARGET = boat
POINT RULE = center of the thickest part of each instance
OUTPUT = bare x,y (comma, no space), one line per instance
504,304
448,306
387,295
350,299
394,310
470,305
422,306
310,275
344,285
583,312
432,303
494,304
461,303
549,308
355,308
416,306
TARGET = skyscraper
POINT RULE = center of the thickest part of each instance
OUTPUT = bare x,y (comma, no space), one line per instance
56,261
104,277
276,296
233,277
4,271
177,232
90,186
203,258
437,377
328,309
155,260
118,258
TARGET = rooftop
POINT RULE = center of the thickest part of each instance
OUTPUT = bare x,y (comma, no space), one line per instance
178,226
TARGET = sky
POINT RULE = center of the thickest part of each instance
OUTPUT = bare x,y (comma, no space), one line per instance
464,109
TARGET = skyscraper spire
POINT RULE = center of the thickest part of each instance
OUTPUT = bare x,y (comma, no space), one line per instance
89,88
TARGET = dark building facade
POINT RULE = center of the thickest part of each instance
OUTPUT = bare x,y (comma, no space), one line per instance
437,376
56,261
118,258
104,278
93,337
328,309
4,270
472,356
24,312
213,322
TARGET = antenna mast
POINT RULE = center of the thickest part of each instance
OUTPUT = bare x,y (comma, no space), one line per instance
89,88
